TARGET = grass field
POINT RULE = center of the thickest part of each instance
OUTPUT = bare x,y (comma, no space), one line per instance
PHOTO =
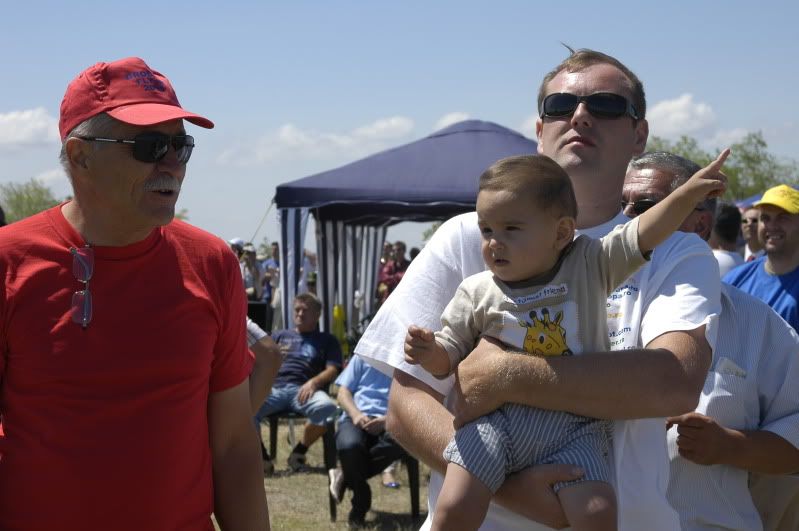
300,500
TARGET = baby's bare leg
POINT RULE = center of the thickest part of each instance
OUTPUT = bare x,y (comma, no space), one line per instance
463,501
589,506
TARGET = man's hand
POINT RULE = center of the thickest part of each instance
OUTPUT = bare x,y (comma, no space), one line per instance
478,382
709,181
529,493
375,425
306,391
701,439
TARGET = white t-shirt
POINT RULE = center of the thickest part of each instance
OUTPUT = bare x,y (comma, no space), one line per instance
727,260
677,290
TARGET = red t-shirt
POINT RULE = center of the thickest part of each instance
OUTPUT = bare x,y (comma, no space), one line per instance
106,428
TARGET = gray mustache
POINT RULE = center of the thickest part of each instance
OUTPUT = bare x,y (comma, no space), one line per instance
162,182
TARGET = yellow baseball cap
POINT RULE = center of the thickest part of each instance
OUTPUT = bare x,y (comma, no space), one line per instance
782,196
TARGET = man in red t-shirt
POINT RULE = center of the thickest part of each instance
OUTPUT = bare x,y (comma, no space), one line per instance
123,359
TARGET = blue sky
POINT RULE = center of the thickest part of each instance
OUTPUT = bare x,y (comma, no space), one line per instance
301,87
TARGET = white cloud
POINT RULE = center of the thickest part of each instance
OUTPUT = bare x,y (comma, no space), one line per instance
290,142
27,128
681,116
527,127
724,137
451,118
56,180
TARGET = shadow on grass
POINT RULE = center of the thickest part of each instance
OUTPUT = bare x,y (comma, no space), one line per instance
392,521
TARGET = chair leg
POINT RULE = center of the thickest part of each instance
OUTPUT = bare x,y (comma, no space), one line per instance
329,443
273,424
413,485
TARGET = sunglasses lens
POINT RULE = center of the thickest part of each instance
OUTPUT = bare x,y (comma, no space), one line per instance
560,104
150,147
606,105
82,263
641,206
82,307
183,145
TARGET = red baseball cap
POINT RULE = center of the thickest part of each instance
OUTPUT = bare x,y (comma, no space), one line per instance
129,91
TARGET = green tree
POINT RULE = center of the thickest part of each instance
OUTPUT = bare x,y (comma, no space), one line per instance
428,233
182,214
22,200
750,169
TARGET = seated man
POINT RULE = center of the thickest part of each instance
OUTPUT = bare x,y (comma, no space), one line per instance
364,446
312,359
747,419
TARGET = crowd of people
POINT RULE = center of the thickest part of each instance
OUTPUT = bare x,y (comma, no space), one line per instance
601,345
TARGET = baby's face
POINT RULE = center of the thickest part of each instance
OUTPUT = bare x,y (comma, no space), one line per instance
519,239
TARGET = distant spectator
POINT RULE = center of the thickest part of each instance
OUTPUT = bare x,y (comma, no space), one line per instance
2,217
364,447
413,252
388,250
391,273
724,237
774,278
312,359
753,247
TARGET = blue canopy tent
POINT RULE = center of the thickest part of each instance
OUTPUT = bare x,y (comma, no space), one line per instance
430,179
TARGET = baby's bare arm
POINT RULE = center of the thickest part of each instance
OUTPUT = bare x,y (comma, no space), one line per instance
421,348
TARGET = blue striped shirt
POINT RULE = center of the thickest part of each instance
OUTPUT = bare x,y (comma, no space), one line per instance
753,384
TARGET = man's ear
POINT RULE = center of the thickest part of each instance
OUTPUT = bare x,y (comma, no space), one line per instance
641,135
565,232
77,153
704,224
539,130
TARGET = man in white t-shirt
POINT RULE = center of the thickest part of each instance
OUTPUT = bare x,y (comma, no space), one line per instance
669,306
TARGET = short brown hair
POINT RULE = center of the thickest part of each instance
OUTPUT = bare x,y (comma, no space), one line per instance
583,58
537,176
311,300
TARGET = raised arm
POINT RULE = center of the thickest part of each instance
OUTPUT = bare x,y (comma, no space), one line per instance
657,223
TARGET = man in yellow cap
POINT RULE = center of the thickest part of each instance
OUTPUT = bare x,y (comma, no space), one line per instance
774,277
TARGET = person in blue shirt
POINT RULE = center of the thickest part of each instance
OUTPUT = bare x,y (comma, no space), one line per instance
364,446
774,277
311,360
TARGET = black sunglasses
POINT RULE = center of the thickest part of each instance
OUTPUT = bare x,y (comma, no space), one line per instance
640,206
152,147
599,104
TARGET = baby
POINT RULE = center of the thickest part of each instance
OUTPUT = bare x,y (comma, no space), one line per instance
545,294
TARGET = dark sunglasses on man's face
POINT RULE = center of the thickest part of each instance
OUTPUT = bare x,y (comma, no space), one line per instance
640,206
599,104
152,147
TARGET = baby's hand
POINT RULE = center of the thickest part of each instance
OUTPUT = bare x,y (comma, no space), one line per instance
419,345
709,181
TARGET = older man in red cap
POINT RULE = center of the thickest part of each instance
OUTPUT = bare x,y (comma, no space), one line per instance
774,277
124,364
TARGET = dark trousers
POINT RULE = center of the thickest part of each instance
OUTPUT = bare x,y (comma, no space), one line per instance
362,456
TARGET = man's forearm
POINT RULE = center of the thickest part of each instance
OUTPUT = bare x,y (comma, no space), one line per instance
664,379
324,378
239,498
418,420
345,400
762,451
267,364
